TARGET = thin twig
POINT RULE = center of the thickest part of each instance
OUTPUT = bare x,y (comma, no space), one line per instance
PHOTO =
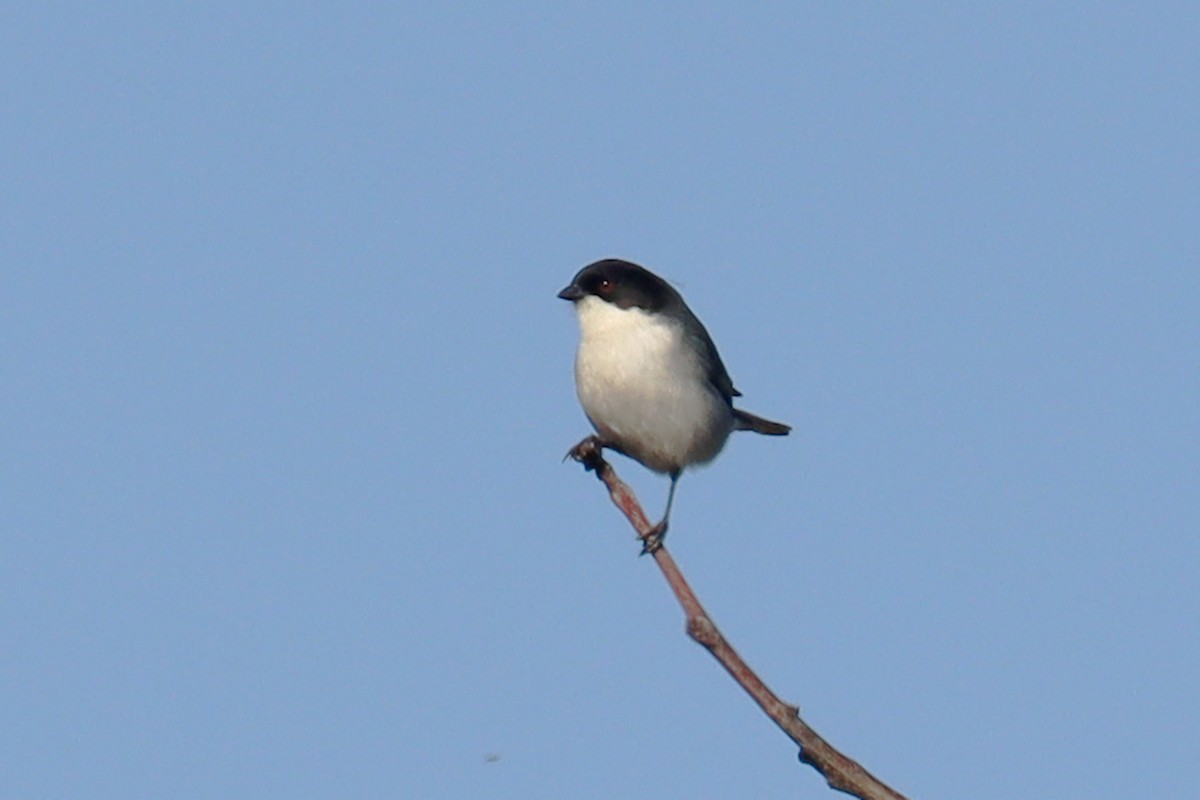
840,771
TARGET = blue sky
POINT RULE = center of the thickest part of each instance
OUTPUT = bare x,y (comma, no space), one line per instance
287,391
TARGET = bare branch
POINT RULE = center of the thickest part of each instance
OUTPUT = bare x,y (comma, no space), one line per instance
840,772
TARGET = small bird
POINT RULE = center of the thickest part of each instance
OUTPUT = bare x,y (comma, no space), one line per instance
649,377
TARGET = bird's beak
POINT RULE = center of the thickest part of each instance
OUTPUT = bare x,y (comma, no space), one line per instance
571,293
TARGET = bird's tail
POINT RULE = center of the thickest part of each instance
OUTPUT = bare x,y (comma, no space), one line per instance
745,421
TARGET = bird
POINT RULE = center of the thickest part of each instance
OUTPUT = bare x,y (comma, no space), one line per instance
649,377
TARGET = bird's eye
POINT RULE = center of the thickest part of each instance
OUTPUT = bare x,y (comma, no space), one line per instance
605,285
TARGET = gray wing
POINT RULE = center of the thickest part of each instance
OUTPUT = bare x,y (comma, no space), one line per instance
717,375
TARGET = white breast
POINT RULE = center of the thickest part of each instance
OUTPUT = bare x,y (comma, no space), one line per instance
645,390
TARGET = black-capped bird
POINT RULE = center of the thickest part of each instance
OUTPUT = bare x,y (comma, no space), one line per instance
648,375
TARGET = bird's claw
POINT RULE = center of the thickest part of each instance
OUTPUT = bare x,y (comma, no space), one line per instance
653,538
588,452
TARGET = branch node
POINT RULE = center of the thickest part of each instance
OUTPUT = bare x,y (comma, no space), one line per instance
701,629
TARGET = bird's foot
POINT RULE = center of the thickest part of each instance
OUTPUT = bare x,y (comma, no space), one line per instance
653,538
589,452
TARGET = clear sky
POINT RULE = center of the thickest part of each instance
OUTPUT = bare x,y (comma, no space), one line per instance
286,391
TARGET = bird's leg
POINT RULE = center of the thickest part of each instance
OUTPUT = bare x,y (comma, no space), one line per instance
654,537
